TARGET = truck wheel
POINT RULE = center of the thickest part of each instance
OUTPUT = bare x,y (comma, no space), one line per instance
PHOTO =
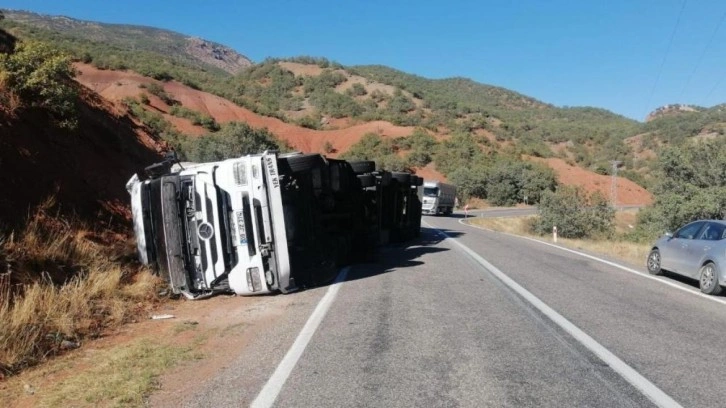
360,167
385,179
304,162
401,177
367,180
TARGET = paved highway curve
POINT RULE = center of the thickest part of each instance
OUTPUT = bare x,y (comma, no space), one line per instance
429,325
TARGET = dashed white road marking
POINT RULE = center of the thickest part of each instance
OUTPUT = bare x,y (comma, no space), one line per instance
650,390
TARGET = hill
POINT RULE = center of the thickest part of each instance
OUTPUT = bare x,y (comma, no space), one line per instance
81,155
322,93
189,50
317,105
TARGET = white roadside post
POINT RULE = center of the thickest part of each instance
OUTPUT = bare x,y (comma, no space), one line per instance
554,233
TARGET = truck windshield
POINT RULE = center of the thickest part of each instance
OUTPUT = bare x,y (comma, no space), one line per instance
431,191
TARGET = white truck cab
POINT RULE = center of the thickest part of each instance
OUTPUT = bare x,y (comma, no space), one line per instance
215,227
438,197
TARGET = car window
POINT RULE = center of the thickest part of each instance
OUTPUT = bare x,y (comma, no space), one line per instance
689,231
713,232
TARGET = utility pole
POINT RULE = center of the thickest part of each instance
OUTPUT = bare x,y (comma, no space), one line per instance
614,182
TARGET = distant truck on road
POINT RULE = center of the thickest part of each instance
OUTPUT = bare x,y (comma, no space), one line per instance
438,198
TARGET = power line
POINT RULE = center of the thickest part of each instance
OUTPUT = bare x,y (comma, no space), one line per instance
668,50
716,85
703,54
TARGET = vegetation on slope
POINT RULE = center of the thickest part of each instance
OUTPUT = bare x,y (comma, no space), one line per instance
691,185
36,75
143,54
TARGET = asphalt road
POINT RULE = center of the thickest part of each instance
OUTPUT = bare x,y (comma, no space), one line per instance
429,325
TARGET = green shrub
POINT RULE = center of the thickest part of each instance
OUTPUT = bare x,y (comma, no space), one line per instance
574,214
232,140
335,104
370,147
197,118
357,89
691,185
310,122
41,77
158,90
418,158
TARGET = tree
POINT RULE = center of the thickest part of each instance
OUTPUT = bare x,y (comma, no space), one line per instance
471,181
400,103
370,147
691,185
41,77
459,148
574,213
233,140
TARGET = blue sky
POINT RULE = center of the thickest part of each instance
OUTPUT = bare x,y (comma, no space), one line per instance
625,56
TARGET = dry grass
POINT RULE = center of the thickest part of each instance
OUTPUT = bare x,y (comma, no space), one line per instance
630,252
10,101
62,286
122,376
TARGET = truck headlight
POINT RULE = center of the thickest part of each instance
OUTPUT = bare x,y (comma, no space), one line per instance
240,173
253,279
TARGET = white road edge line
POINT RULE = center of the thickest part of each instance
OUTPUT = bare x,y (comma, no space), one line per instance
272,388
625,268
650,390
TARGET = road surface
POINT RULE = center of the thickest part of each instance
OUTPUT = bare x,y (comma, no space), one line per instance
465,317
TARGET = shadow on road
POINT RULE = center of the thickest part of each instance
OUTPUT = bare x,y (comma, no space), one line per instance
401,255
688,281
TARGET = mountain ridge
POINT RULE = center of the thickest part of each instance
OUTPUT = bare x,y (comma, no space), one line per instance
315,93
191,48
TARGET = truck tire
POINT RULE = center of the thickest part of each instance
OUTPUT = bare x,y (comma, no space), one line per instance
385,178
304,162
367,180
401,177
360,167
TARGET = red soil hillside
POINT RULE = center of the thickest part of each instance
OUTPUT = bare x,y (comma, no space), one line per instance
628,193
85,170
115,85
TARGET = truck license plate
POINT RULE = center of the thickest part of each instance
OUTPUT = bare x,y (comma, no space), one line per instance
241,228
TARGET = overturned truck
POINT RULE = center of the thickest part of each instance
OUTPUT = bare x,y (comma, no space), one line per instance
267,222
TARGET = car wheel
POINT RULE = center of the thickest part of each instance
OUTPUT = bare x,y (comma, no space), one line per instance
709,279
653,263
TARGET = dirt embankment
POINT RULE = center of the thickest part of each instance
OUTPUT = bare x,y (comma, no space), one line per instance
627,192
86,169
